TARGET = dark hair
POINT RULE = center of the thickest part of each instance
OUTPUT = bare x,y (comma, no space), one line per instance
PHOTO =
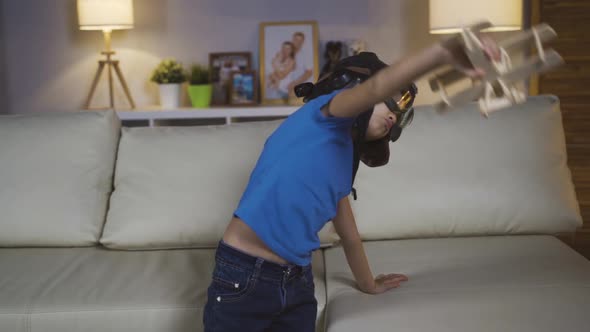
357,67
292,54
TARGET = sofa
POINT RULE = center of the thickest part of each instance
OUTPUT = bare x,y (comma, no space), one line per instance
109,228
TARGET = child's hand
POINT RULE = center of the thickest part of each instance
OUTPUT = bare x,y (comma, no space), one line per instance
385,282
454,54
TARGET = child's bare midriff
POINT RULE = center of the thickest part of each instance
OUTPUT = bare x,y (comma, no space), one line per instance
242,237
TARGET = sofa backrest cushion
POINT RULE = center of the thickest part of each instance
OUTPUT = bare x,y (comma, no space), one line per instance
460,174
177,187
56,173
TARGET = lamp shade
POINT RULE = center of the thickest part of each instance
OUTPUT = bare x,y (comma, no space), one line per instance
105,14
448,16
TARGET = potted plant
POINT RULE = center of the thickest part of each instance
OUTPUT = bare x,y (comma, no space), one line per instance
200,88
169,75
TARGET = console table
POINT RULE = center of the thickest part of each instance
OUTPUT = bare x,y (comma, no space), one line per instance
153,115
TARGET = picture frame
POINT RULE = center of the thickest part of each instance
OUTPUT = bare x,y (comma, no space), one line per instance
289,54
243,88
222,65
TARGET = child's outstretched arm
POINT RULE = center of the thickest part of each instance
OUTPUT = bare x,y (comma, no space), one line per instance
345,226
352,102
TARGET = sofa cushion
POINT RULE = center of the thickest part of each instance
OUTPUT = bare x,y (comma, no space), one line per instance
506,283
90,289
177,187
462,174
55,177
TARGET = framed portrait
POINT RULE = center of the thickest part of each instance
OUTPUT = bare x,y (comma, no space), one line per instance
288,56
243,89
222,66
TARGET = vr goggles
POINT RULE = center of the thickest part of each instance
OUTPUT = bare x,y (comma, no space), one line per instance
345,78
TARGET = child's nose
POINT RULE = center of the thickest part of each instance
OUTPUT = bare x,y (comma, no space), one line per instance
393,117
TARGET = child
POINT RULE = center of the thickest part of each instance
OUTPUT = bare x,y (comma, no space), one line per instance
262,279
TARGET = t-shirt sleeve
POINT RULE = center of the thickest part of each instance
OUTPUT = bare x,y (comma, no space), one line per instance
329,121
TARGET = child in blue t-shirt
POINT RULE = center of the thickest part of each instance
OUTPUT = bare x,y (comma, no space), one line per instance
262,279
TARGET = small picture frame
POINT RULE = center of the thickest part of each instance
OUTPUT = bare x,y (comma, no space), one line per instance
243,88
288,56
222,66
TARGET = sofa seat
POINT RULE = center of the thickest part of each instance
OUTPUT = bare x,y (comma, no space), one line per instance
93,289
505,283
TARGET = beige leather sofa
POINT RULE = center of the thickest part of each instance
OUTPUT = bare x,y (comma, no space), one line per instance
104,228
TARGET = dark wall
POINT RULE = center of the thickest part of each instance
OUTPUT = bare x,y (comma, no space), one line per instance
4,103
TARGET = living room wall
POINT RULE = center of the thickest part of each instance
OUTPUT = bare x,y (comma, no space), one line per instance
50,62
3,74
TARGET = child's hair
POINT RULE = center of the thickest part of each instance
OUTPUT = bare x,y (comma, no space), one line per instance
346,73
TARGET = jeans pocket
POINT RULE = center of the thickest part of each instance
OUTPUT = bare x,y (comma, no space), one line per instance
307,280
232,283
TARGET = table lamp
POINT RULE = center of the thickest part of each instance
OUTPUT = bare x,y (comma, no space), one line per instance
106,15
449,16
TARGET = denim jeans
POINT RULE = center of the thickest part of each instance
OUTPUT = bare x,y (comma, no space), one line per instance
251,294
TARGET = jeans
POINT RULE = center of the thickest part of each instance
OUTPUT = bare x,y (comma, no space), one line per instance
251,294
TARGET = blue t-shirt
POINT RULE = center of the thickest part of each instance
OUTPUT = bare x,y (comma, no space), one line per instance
304,170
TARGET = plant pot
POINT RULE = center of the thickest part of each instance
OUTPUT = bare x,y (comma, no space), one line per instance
169,95
200,95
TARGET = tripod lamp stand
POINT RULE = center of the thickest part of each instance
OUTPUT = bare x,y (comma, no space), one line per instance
106,15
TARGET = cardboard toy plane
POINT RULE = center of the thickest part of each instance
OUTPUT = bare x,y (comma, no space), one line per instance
497,89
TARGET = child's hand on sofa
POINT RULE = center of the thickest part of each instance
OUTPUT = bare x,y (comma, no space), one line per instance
385,282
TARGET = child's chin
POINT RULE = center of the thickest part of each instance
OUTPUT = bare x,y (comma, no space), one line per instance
375,139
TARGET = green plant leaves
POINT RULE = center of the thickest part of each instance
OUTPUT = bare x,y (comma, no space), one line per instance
199,75
169,71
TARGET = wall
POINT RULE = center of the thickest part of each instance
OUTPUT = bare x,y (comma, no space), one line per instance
571,21
3,85
52,62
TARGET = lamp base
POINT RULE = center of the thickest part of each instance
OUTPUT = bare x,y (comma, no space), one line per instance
110,64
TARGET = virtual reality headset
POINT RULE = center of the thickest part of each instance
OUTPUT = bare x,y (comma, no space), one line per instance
344,77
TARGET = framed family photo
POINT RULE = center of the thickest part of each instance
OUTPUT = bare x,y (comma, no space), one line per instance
288,56
243,88
223,65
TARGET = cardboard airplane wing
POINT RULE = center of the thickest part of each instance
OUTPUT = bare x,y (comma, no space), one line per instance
498,87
